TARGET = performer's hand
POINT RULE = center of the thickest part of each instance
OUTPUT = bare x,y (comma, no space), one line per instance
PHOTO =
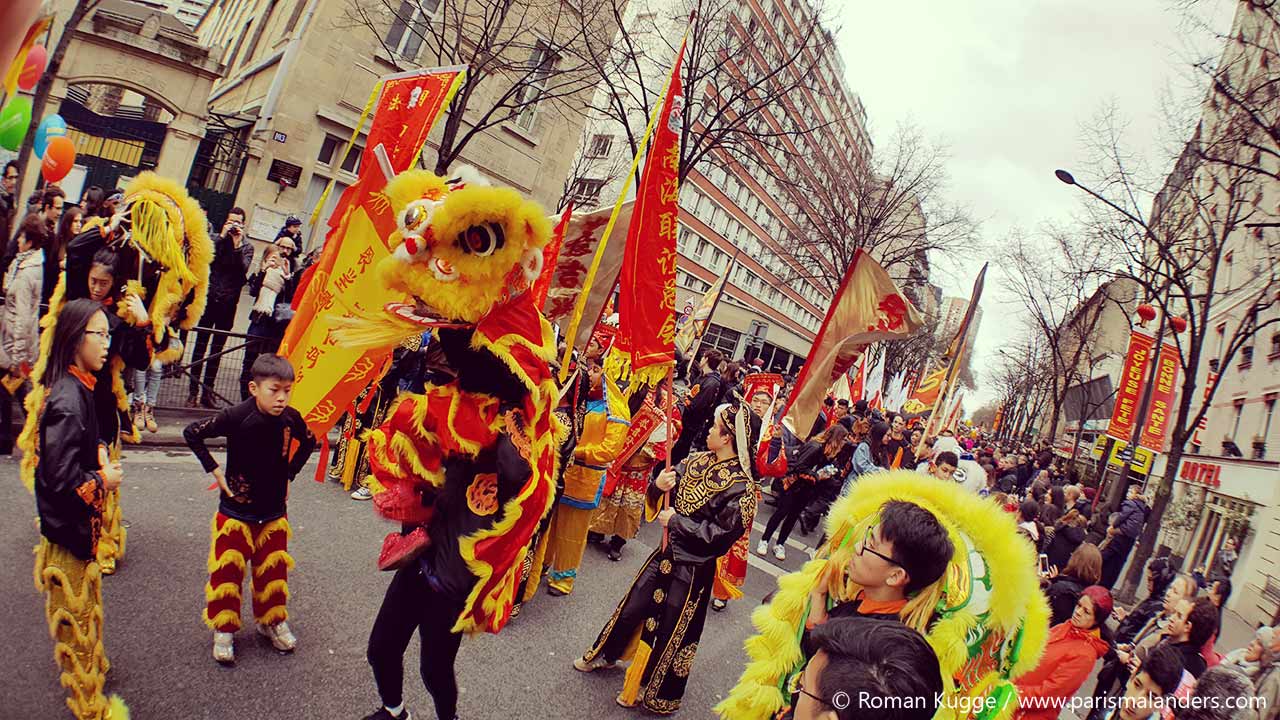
135,307
222,480
818,601
112,475
665,480
664,517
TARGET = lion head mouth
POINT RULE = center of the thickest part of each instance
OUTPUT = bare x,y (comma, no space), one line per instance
419,312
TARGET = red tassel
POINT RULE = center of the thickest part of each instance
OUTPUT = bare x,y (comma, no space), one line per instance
324,459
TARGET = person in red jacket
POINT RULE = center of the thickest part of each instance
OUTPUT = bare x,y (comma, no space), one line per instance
1073,648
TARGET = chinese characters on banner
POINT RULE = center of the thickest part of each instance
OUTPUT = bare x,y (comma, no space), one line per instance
1157,427
1204,419
581,239
647,284
344,284
1129,393
690,330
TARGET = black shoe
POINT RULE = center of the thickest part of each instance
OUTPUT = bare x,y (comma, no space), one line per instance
382,714
614,554
595,538
718,605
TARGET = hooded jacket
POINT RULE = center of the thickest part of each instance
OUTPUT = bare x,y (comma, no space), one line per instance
20,317
1133,515
1069,657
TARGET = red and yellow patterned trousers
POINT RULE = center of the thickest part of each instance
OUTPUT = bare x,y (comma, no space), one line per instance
234,546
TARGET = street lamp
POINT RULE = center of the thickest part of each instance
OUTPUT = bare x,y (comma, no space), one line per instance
1064,176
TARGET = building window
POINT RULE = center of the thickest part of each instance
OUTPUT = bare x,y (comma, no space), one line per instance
600,146
1246,357
721,338
586,192
541,62
409,26
331,146
1275,346
1235,424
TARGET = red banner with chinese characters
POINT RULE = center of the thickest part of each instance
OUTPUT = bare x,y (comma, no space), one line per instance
1129,393
343,282
1156,430
647,283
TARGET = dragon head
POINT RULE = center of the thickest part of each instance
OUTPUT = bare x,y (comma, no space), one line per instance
461,247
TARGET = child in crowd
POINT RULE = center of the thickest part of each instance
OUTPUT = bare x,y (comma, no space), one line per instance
267,444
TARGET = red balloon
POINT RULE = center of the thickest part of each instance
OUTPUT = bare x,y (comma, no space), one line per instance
33,67
59,156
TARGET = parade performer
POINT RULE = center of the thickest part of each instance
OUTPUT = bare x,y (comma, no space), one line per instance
73,476
603,433
984,616
572,412
267,445
712,494
148,264
759,390
467,467
627,479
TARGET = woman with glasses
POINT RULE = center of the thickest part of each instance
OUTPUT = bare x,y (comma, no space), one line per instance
710,495
73,477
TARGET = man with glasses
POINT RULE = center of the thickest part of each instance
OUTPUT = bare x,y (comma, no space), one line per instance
906,551
8,187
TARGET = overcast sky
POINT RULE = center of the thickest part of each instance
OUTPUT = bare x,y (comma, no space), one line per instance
1006,85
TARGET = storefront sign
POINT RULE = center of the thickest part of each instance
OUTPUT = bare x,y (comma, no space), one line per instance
1140,462
1203,473
1204,419
1129,393
1160,412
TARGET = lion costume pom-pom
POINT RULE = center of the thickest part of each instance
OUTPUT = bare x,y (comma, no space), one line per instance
464,256
985,618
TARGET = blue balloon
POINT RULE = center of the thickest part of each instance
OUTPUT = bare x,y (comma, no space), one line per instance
50,127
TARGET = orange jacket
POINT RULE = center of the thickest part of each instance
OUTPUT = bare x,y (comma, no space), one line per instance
1068,659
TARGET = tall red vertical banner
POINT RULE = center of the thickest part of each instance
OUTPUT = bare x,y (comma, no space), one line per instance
1132,377
1156,431
647,282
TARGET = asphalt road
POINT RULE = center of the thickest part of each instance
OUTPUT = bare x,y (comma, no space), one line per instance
160,649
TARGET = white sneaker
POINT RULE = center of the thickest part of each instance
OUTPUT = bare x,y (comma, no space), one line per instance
224,650
762,547
281,636
779,552
362,493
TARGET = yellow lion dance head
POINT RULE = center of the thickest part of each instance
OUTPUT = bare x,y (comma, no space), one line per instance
461,247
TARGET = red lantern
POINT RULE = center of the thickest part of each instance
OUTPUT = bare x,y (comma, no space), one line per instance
1146,312
59,156
1178,323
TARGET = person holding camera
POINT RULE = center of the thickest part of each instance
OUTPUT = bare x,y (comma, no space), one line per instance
232,256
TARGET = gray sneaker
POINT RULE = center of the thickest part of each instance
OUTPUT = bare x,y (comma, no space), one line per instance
362,493
280,635
224,650
581,664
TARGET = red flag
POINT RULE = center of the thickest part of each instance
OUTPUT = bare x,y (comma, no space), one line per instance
647,298
868,307
550,256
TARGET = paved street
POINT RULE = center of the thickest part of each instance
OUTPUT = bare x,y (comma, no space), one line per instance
159,648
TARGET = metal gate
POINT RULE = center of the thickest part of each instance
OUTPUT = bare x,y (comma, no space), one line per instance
110,147
218,168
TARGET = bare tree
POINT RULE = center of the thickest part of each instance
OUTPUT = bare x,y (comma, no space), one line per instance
893,207
1063,289
913,354
1195,256
1021,374
513,73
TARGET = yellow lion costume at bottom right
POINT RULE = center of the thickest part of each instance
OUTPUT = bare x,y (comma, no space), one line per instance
986,618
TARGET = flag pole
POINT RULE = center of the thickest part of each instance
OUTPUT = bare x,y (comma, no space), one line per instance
724,286
668,408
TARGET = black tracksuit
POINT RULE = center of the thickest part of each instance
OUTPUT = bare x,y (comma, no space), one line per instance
261,459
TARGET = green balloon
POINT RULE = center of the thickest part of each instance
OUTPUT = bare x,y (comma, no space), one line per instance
15,120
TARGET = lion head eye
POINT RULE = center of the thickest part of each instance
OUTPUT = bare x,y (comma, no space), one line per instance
481,240
414,217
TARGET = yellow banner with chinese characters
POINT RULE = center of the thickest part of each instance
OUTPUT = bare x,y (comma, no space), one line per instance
344,281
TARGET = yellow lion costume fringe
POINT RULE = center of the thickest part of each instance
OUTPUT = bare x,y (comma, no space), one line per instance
985,618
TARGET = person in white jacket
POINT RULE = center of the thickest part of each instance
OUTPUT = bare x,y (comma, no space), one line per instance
20,323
